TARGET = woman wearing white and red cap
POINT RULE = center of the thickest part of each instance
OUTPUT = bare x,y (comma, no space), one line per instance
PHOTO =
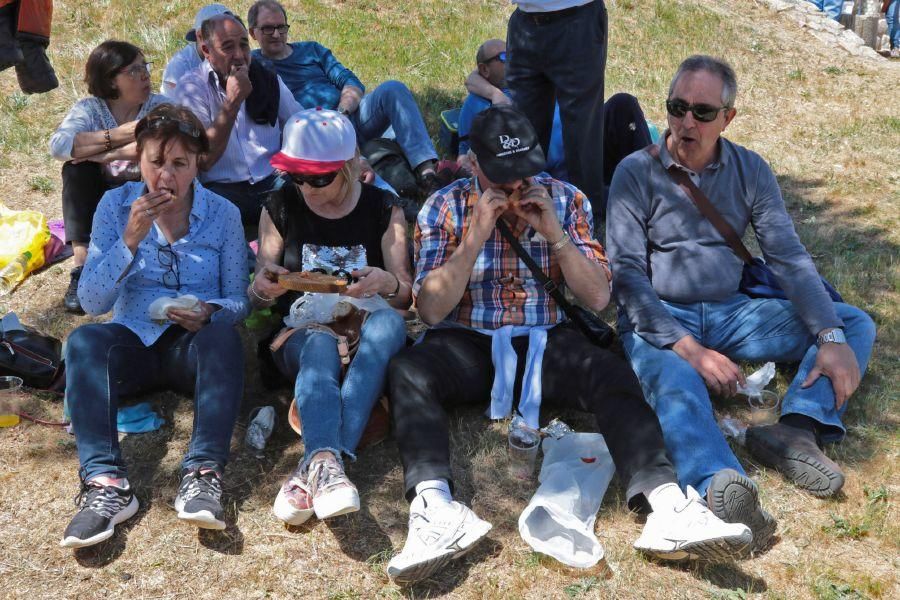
328,220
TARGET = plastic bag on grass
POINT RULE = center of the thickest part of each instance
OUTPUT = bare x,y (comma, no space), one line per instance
559,519
23,234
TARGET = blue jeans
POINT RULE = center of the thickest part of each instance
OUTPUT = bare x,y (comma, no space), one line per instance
105,361
743,329
392,105
248,197
832,8
335,414
893,23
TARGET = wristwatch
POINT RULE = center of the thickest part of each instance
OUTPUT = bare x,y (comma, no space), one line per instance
835,336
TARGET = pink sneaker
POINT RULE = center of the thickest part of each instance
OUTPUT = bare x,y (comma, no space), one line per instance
294,505
332,492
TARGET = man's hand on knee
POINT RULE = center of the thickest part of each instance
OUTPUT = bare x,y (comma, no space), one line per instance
719,372
838,363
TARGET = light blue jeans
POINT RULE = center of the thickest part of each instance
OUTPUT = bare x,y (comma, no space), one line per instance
743,329
392,106
893,23
334,413
832,8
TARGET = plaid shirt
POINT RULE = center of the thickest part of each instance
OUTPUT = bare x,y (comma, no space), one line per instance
502,290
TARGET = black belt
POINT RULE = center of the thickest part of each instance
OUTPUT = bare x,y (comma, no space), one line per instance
545,18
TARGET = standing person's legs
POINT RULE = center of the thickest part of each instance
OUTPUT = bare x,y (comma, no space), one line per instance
576,65
532,91
382,336
391,104
893,22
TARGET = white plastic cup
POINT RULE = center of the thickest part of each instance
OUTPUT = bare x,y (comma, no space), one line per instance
523,450
764,408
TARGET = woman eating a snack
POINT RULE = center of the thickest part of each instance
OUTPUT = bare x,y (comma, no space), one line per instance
164,242
330,223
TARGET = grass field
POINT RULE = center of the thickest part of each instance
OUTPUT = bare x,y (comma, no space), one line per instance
828,123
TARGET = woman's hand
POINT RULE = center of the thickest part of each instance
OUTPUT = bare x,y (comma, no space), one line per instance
372,280
192,320
366,173
265,284
144,211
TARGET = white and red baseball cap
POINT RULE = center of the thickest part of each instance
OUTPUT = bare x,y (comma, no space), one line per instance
315,141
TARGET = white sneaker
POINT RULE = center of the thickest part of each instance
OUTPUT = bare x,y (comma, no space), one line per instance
437,534
692,531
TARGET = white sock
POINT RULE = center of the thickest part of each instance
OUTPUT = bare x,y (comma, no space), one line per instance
434,491
666,497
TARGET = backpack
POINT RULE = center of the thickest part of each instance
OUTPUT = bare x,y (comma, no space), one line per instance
387,159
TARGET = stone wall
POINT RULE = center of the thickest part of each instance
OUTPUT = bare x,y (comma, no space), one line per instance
860,34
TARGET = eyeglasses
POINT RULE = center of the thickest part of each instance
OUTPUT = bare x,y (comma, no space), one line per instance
702,112
138,71
162,121
270,29
315,181
501,56
168,259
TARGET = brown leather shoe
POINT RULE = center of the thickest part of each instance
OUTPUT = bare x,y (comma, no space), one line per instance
796,454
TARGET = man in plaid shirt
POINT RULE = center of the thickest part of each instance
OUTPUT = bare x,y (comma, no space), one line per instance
497,331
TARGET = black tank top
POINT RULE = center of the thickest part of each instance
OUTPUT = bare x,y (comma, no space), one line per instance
332,245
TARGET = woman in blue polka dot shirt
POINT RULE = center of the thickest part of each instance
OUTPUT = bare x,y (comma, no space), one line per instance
165,237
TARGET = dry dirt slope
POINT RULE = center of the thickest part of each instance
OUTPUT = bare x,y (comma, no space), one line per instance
829,124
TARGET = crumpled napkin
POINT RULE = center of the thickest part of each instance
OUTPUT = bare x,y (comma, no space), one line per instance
757,381
159,306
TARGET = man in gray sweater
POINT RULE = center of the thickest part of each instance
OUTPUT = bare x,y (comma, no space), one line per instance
683,321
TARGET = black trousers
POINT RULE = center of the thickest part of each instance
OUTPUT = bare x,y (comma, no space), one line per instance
82,188
563,59
453,366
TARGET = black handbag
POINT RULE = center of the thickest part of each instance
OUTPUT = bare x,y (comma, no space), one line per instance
593,327
33,356
757,279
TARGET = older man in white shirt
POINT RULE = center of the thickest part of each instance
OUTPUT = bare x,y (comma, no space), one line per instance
244,120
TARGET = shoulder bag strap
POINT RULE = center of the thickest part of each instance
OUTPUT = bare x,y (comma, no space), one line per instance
705,207
542,278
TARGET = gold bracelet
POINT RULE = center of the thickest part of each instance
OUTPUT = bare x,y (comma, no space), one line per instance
395,292
258,296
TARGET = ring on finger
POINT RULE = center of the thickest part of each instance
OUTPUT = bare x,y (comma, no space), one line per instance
148,212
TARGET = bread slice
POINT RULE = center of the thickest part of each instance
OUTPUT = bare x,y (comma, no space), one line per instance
305,281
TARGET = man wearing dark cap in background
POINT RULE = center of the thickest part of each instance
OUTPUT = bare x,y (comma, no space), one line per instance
485,305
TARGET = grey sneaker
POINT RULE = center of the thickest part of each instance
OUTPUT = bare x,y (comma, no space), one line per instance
734,498
102,507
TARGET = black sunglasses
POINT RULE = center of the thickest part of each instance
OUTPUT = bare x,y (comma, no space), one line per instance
162,121
501,56
315,181
168,258
702,112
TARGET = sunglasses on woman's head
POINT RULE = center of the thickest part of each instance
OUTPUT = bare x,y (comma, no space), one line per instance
315,181
702,112
164,121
